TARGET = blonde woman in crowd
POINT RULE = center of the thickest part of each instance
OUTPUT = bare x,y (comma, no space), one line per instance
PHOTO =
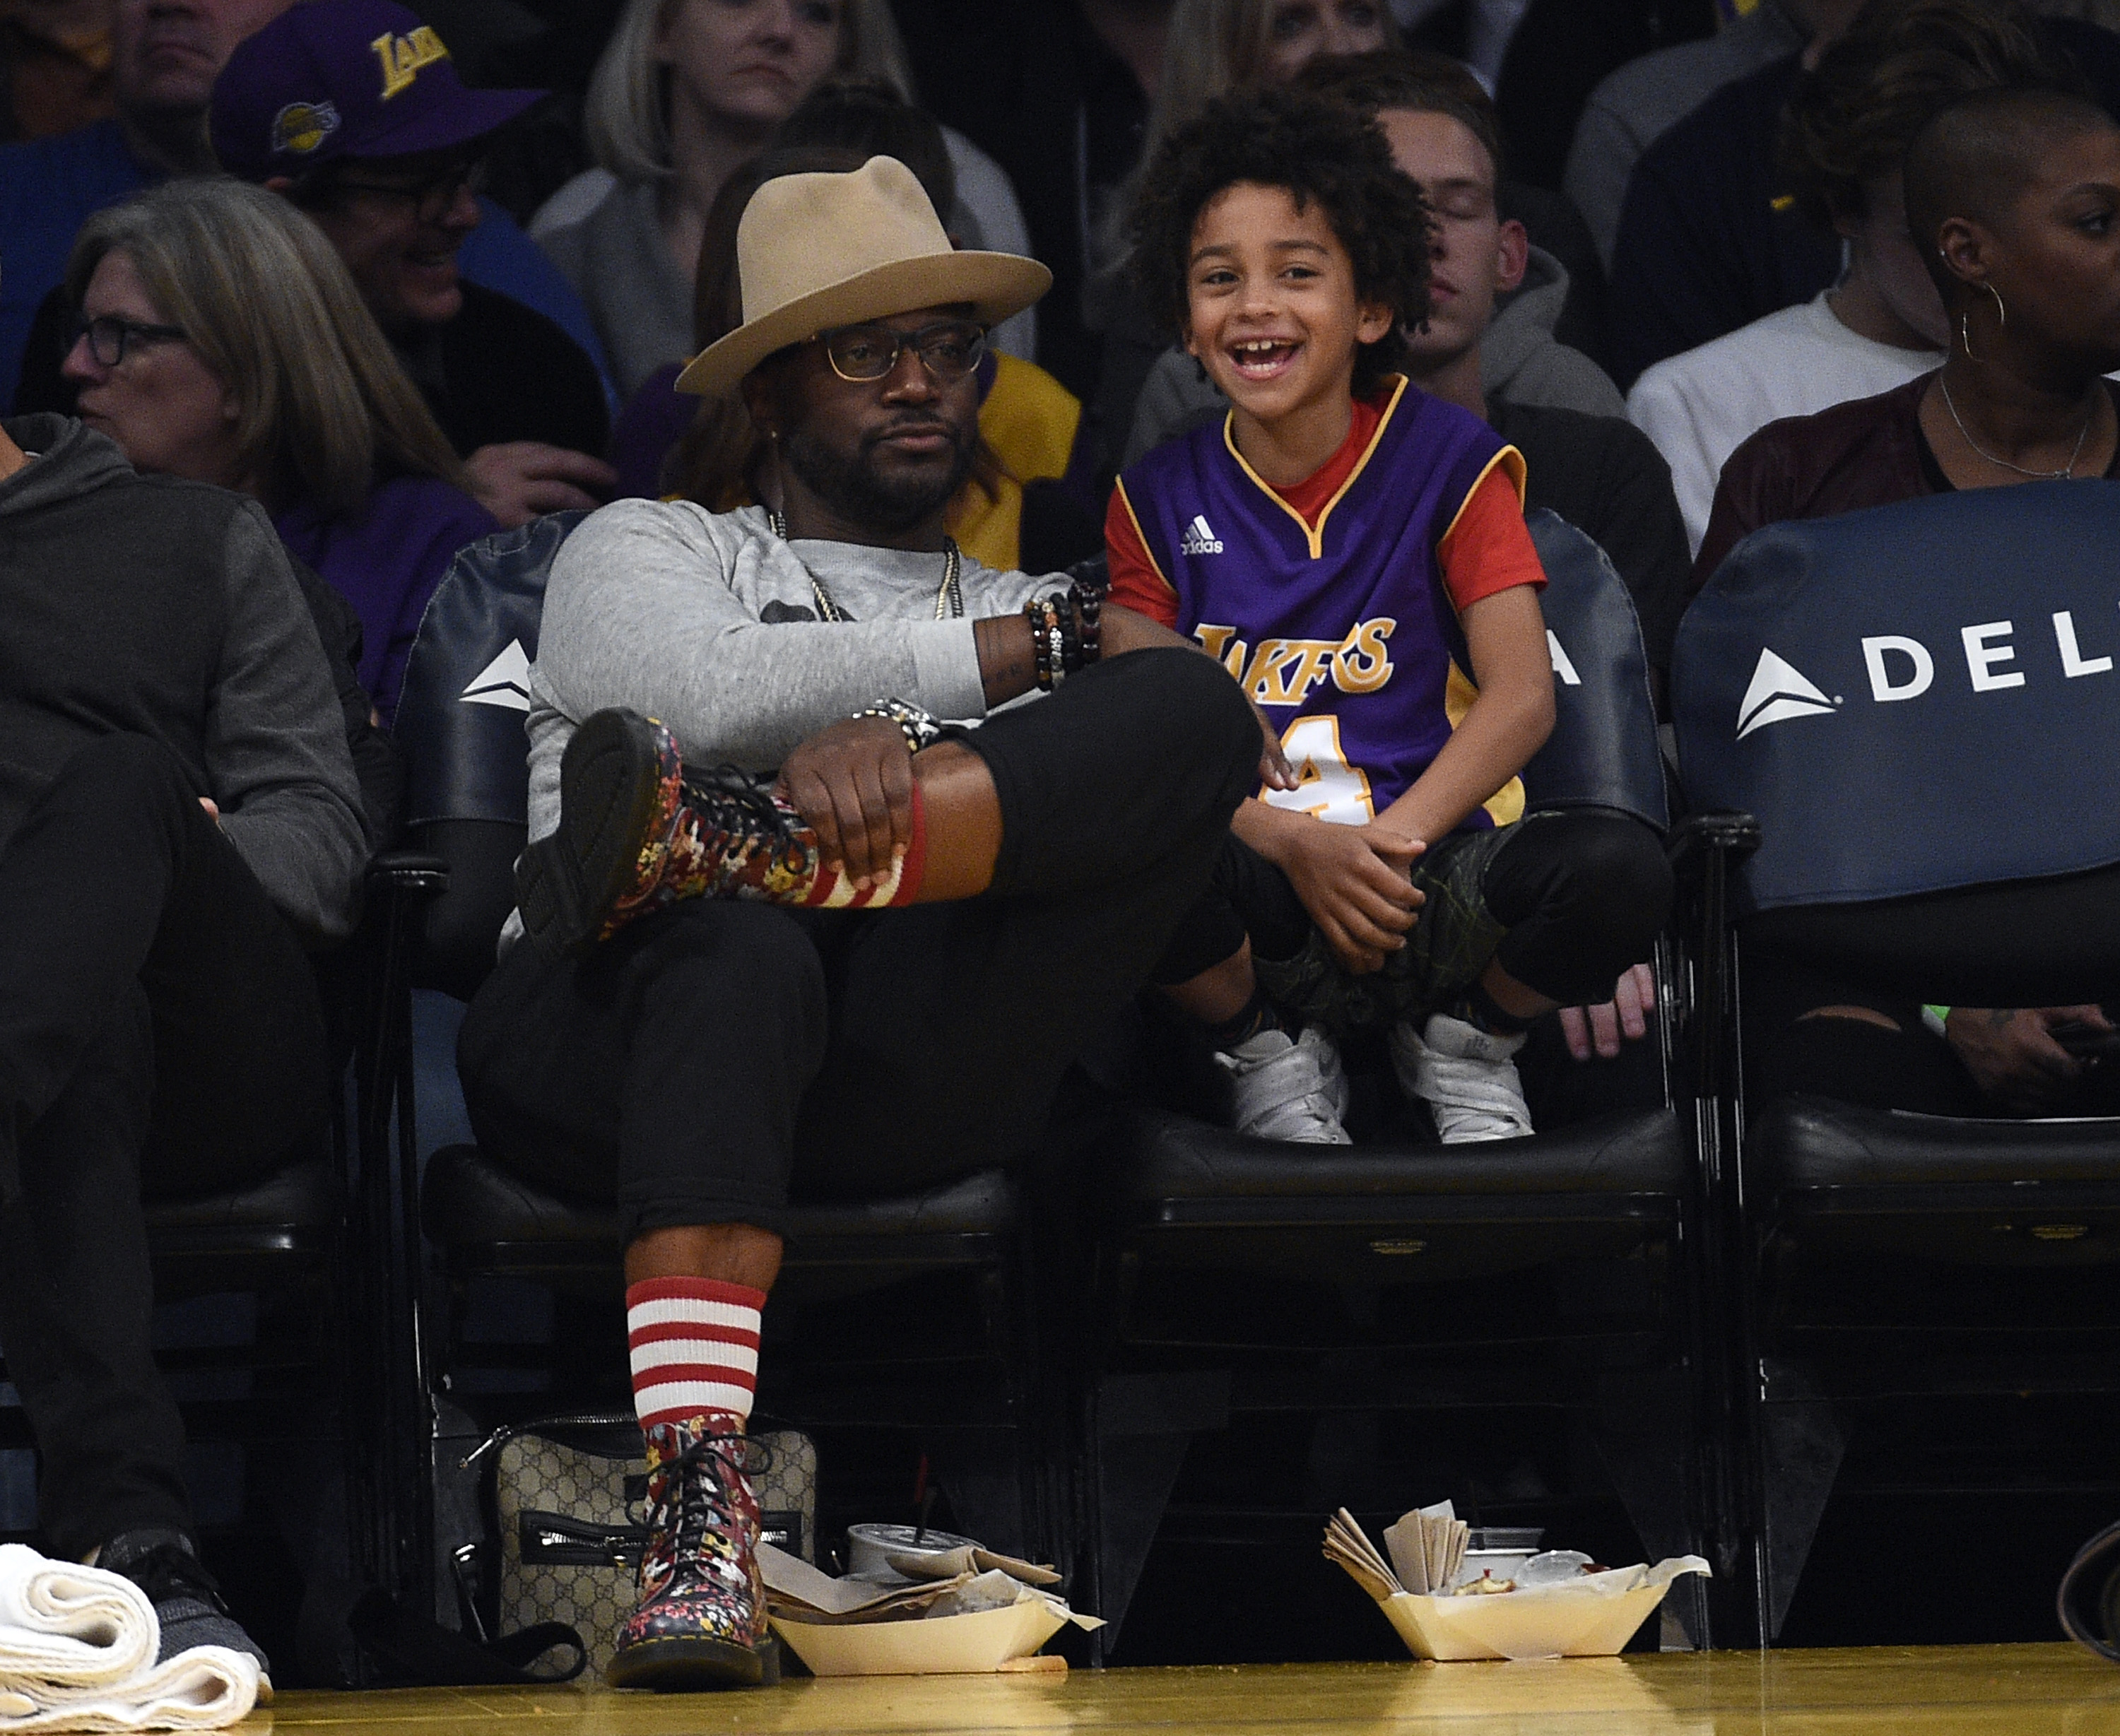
221,340
686,92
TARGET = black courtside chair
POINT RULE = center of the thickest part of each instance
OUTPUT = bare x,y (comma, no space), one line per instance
1896,709
1245,1286
909,1315
257,1285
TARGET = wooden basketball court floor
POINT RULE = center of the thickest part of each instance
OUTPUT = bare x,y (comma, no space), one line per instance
2007,1689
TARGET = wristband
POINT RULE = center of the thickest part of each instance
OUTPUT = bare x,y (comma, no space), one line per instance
921,729
1935,1019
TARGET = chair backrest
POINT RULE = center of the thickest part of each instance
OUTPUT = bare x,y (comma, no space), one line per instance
460,720
1602,752
1913,698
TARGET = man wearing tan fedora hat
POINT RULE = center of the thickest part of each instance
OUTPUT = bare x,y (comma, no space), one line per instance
801,938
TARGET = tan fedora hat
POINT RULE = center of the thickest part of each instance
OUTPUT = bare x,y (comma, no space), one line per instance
817,251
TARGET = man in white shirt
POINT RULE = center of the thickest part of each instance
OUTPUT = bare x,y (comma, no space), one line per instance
1848,123
1880,328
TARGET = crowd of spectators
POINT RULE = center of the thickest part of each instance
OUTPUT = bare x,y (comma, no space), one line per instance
300,300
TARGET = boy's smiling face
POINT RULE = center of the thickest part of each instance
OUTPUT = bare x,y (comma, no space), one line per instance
1272,311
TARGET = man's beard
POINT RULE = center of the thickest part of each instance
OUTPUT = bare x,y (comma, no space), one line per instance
858,491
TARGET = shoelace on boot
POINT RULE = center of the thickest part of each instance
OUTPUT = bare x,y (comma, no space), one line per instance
720,785
716,806
694,1494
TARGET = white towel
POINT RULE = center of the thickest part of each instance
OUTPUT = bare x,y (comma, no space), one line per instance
77,1649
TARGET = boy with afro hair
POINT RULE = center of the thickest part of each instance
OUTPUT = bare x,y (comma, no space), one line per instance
1354,552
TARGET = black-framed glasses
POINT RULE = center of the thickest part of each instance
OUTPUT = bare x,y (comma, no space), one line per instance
949,349
109,336
432,196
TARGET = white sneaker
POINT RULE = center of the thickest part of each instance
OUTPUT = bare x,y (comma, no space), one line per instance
1283,1089
1466,1075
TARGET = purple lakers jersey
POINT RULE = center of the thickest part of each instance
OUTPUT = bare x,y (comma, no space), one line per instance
1344,632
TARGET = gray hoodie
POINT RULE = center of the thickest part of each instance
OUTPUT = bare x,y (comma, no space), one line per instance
168,609
1521,362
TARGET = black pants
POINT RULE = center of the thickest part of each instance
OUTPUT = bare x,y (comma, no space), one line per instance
1566,900
2052,942
159,1034
711,1064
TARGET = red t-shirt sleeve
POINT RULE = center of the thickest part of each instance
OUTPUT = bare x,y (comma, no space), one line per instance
1488,549
1136,584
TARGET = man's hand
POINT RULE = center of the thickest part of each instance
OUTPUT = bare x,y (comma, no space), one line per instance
2012,1054
852,783
1353,881
1597,1030
517,480
212,808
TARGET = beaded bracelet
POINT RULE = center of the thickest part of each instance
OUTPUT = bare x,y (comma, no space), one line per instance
1041,650
1056,636
921,729
1065,633
1089,606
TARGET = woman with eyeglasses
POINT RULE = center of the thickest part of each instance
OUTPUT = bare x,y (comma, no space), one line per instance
687,93
221,340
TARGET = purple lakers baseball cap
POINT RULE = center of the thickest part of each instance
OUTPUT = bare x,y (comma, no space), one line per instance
329,79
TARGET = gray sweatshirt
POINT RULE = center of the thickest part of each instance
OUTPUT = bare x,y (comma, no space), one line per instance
168,609
1521,362
708,622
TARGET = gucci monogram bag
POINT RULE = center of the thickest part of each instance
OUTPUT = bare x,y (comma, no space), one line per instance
571,1496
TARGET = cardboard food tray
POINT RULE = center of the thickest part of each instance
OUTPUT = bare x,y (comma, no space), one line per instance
977,1643
1578,1620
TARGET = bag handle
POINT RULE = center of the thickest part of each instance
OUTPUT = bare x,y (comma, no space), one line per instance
359,1634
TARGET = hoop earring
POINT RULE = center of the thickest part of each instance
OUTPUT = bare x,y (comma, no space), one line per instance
1965,321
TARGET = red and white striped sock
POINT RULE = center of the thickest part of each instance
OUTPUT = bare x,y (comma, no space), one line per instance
833,889
694,1342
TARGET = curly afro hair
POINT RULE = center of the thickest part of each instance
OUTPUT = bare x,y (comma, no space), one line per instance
1316,150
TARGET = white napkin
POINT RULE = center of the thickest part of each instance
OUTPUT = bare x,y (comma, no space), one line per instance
77,1649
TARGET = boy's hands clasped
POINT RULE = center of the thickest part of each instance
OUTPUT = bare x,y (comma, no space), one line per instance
1354,880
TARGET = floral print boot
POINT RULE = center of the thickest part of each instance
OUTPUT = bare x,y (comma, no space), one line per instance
638,831
701,1621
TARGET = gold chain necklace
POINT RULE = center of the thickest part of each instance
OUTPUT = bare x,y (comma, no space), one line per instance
2067,473
949,600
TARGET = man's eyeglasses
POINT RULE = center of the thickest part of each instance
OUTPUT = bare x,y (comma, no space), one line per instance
948,350
109,336
432,196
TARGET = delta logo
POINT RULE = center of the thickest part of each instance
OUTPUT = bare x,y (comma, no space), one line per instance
1900,667
505,682
301,127
403,56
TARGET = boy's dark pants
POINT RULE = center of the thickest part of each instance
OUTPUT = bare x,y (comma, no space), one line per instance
1566,899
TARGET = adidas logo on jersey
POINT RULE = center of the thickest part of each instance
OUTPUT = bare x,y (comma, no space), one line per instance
1200,539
